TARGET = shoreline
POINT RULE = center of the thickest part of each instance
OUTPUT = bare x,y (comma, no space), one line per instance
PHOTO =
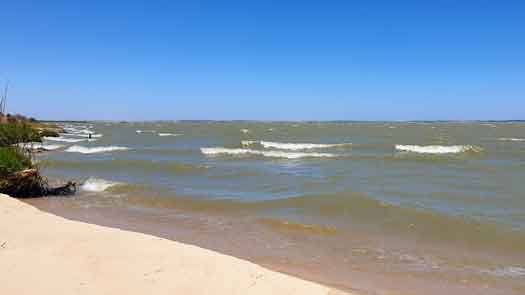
44,252
293,254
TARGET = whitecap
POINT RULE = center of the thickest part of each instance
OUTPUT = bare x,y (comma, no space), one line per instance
169,134
95,150
437,149
271,154
97,185
63,139
40,146
510,139
248,142
509,271
245,131
292,146
93,135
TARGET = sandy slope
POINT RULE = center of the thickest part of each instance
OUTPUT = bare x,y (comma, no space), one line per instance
45,254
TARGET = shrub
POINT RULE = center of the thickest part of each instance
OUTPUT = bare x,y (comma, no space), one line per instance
11,134
13,160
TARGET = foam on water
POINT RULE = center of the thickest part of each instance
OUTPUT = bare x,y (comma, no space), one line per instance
93,135
95,150
169,134
270,154
510,139
40,146
245,131
248,142
437,149
509,271
145,131
63,139
86,131
292,146
97,185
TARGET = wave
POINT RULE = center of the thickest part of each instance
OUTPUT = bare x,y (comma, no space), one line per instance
145,131
36,146
95,150
438,149
86,131
97,185
169,134
72,129
245,131
271,154
93,135
292,146
286,225
119,165
510,139
63,139
350,207
509,271
249,142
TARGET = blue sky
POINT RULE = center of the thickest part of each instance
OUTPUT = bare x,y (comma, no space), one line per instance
269,60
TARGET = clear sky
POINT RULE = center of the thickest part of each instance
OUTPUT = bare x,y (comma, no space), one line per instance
269,60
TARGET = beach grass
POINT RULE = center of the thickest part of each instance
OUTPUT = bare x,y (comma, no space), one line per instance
12,134
12,160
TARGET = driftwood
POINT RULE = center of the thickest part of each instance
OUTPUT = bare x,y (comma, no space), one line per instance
28,183
68,189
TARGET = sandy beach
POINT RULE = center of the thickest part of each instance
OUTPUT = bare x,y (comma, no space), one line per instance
46,254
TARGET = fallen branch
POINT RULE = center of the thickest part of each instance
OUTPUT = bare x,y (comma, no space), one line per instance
28,183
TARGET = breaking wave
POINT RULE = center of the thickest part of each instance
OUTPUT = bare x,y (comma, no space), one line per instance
63,139
95,150
270,154
510,139
169,134
438,149
509,271
40,146
145,131
97,185
292,146
85,135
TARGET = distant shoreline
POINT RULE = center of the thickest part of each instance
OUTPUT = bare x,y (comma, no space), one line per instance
292,121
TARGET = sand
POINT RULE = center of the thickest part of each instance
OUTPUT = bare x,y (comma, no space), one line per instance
41,253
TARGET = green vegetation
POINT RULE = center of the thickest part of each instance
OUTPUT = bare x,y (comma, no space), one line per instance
11,134
49,133
18,176
12,160
12,157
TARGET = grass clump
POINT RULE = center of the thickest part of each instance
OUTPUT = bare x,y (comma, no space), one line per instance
12,160
11,134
